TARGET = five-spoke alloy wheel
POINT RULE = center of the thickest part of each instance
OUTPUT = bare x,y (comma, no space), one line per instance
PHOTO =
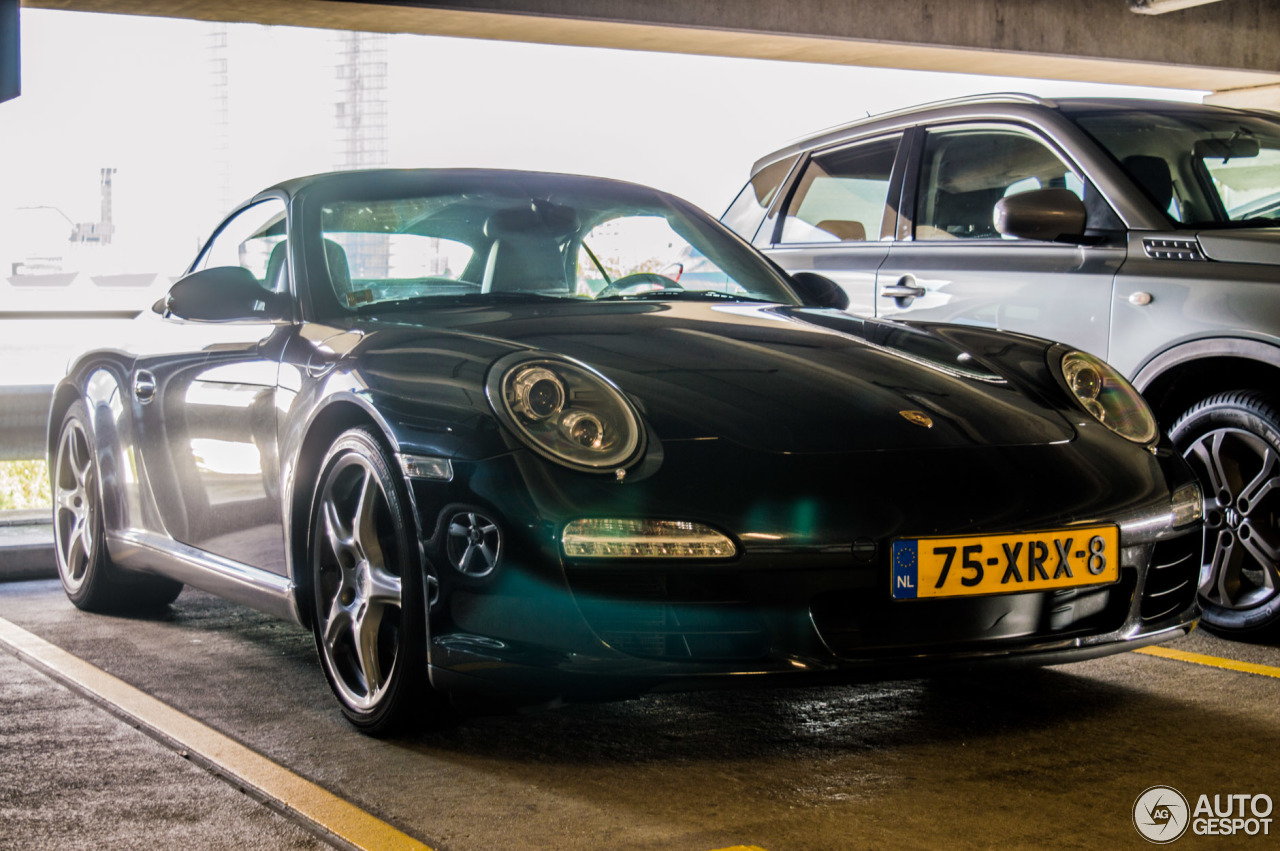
1232,441
77,516
366,574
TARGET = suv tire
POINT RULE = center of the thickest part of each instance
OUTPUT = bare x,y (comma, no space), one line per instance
1232,441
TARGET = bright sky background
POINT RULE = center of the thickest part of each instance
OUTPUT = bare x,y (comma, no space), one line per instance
135,94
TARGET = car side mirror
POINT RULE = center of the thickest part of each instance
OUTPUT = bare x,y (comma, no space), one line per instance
817,291
222,294
1056,215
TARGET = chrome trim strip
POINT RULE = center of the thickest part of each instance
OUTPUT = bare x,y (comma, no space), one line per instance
240,583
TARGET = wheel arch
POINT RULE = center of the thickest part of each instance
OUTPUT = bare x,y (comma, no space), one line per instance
64,396
326,425
96,385
1180,377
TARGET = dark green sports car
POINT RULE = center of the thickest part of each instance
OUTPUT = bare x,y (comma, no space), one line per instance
482,433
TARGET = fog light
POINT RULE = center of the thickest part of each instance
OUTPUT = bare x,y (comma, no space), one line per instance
619,538
1187,504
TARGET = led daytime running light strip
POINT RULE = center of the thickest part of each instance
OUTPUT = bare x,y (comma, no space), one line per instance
656,539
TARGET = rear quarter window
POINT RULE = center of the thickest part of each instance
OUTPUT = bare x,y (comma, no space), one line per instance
748,210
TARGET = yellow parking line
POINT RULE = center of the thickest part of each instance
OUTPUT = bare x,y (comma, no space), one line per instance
742,848
251,771
1211,661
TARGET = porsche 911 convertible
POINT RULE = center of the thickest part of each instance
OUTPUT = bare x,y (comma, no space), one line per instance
484,436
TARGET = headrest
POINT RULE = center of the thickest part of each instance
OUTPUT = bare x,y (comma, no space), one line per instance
538,219
845,231
339,270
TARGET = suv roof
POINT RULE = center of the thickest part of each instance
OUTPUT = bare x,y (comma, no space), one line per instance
998,104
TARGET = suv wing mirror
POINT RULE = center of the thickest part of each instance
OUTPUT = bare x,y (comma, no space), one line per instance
1056,215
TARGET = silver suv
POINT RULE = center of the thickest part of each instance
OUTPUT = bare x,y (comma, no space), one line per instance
1146,232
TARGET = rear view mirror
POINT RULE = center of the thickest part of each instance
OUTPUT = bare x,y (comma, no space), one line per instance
817,291
1055,215
1242,147
222,294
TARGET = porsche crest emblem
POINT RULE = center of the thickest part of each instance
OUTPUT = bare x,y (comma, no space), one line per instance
919,418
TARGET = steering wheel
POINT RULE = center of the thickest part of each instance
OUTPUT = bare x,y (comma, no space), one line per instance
651,280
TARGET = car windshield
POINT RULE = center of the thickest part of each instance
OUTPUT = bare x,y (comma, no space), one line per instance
1203,168
534,240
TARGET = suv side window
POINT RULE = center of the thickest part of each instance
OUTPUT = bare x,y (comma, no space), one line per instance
748,210
966,171
255,239
843,196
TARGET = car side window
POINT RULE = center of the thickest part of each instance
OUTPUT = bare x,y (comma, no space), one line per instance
966,171
254,238
843,196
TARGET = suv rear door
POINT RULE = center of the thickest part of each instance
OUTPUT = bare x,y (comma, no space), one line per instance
839,215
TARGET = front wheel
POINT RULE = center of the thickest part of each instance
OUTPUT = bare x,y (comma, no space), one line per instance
1232,441
367,581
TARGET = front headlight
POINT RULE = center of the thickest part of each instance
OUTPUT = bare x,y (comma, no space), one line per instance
1108,398
565,411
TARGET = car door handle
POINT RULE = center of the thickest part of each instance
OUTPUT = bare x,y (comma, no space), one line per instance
144,386
905,288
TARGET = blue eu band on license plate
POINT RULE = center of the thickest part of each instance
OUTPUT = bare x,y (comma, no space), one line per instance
1004,564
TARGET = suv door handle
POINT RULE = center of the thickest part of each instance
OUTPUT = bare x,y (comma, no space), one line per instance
905,288
144,386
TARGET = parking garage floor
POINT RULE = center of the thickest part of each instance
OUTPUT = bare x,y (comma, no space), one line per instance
1037,758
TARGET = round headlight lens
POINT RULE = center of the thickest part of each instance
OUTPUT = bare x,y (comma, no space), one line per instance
565,410
539,393
1108,397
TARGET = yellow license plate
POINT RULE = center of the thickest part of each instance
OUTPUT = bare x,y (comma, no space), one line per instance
1005,564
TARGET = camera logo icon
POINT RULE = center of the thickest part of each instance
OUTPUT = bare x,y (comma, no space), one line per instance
1161,814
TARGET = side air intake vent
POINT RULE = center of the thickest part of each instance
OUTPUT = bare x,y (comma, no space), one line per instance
1172,249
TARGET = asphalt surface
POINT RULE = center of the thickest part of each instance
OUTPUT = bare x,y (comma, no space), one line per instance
1041,758
76,776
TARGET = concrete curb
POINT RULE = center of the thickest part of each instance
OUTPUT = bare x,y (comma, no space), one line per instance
23,563
26,546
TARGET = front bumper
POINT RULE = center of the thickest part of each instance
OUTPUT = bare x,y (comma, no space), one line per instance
793,607
676,636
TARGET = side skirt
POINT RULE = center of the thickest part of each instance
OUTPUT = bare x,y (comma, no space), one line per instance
240,583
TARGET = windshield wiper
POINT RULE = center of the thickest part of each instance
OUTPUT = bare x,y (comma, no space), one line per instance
676,294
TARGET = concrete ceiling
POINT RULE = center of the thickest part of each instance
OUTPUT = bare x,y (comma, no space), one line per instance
1228,47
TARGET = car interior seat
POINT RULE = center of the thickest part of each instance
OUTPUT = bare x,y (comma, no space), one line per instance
524,263
844,230
525,254
339,272
273,280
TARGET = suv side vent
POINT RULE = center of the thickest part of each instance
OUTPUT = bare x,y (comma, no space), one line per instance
1172,249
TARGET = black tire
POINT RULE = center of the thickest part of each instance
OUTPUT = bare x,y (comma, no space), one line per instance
1232,441
92,582
367,600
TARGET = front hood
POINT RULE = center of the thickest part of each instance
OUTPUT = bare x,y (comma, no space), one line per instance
777,379
1254,245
